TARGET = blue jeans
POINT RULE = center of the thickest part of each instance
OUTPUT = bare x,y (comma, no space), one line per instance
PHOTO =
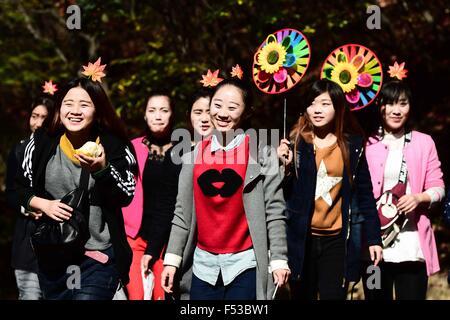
243,287
28,285
95,281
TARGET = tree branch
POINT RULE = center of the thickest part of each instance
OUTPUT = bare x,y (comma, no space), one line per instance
36,34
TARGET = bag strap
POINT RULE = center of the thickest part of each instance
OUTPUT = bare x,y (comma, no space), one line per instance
403,169
84,179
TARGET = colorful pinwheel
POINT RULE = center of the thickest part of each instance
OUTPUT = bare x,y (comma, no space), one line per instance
281,61
358,71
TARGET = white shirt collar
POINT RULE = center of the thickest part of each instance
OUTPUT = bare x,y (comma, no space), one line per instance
215,145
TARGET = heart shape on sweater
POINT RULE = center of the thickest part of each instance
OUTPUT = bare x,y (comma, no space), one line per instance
225,183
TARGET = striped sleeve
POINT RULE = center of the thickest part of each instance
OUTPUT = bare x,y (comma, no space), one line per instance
128,184
27,163
117,180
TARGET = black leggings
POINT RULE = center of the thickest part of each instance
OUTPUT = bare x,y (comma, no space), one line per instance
409,279
323,270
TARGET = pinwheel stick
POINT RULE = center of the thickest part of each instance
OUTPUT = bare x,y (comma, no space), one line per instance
284,119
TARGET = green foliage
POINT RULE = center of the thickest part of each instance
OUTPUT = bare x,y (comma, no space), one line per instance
169,44
150,45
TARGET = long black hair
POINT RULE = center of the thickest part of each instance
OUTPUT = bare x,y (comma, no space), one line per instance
106,118
344,124
48,103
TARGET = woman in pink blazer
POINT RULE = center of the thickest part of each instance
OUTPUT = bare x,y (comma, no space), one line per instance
139,216
412,256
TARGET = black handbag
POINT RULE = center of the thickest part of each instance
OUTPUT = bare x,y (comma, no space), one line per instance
58,245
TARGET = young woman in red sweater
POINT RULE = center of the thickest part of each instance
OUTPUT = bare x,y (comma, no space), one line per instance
229,212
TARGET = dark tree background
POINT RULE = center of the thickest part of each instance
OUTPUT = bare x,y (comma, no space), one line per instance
151,45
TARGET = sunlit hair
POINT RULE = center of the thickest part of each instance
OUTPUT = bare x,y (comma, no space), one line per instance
105,116
343,124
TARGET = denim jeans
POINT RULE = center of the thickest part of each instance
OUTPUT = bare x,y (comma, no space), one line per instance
95,281
28,285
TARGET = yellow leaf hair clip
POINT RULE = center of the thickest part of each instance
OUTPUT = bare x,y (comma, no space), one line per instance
237,72
211,79
398,71
94,70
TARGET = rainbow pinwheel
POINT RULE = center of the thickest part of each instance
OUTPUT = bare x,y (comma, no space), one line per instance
358,71
281,61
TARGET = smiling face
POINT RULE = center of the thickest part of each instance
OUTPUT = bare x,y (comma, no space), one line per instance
38,115
77,111
227,108
321,111
395,114
157,114
200,118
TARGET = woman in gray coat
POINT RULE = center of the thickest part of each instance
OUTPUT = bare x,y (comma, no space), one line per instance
228,237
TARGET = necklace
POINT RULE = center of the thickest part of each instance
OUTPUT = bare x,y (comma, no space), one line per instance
156,151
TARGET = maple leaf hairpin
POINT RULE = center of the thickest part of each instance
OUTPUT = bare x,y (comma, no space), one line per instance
211,79
49,87
398,71
237,72
94,70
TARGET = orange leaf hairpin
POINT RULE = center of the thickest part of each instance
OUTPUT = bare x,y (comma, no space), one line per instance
50,87
211,79
95,70
237,72
398,71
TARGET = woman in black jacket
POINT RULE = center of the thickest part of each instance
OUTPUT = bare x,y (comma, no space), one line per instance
23,260
52,168
328,196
